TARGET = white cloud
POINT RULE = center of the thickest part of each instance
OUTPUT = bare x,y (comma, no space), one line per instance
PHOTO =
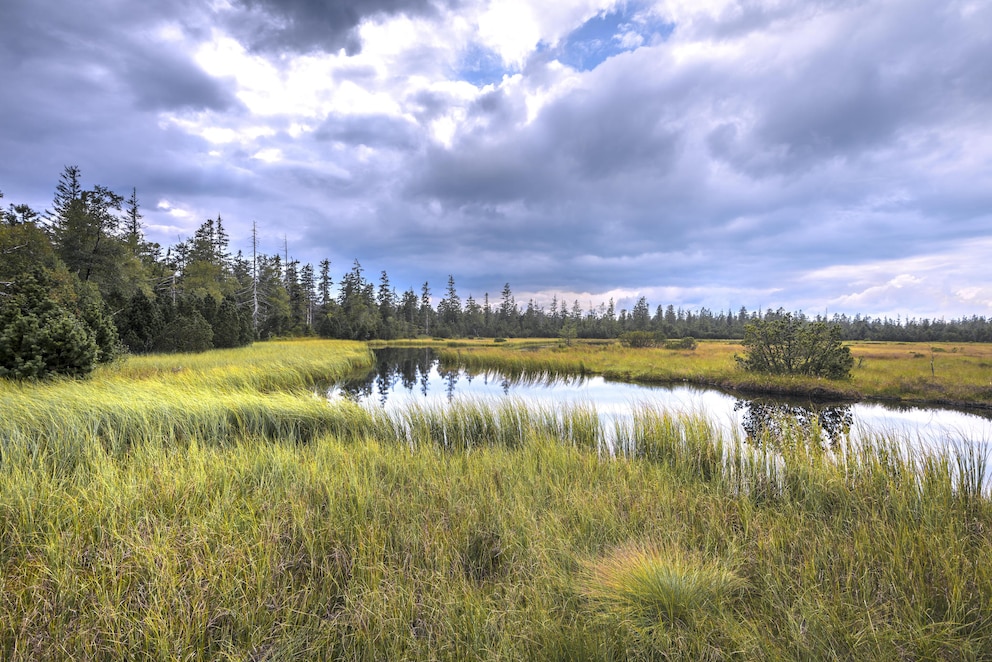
270,155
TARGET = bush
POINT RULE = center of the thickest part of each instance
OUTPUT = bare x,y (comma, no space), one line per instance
41,338
499,339
637,339
791,346
681,343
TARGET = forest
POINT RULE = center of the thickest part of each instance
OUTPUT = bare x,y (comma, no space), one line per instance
83,277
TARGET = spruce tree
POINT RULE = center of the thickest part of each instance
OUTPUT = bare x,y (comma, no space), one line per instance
39,337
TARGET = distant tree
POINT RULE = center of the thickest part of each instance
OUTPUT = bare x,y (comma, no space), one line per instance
274,311
567,333
507,314
227,324
308,290
783,344
24,246
386,301
91,309
357,316
324,287
426,312
449,310
140,323
17,214
187,332
133,223
84,227
508,305
473,319
640,316
409,308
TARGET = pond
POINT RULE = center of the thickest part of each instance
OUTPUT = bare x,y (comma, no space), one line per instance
404,376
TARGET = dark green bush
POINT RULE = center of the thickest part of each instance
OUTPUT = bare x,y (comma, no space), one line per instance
39,337
637,339
681,343
793,346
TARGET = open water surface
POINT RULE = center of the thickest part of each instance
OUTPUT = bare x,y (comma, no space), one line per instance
402,377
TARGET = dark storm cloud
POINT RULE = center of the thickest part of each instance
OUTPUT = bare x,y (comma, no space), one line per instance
887,77
614,130
161,79
614,182
69,51
304,26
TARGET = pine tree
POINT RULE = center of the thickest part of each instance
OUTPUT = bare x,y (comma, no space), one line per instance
39,337
308,289
325,282
450,308
84,228
133,223
425,307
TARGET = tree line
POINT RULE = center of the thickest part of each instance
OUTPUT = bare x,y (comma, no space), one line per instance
83,275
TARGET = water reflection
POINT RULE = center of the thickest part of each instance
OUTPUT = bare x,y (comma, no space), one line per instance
421,369
763,419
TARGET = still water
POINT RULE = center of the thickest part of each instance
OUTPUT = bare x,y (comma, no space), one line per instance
402,377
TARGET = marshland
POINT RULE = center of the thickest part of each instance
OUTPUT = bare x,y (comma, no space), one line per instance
218,506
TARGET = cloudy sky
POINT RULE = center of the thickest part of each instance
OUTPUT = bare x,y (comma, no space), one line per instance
823,155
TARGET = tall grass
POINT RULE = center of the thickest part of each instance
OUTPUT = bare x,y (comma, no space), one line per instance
264,523
214,398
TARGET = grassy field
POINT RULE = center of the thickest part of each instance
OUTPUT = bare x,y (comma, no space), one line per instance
947,373
214,507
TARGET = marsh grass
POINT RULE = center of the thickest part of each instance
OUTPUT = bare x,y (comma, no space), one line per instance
962,372
146,515
213,398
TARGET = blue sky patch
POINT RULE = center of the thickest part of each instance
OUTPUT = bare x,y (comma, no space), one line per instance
606,35
481,66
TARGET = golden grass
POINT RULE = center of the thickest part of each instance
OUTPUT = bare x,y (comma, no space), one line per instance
653,584
961,372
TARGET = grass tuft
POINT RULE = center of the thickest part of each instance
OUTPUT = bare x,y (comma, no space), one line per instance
652,584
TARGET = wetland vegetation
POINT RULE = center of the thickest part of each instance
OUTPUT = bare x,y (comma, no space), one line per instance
941,373
211,506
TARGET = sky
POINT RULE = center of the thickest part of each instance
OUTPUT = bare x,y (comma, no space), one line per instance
830,156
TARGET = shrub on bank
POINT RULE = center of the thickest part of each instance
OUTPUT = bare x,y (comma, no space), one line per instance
793,346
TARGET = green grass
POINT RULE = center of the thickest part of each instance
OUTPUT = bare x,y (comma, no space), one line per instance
251,520
961,373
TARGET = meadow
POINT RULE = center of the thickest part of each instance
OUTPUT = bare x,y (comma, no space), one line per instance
216,506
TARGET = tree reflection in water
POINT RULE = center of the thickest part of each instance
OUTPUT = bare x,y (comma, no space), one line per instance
412,369
762,419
